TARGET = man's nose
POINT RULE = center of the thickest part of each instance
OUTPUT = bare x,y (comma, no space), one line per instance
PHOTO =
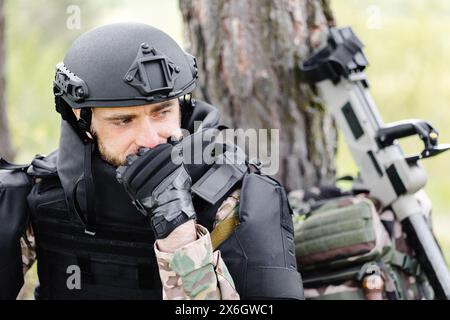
148,136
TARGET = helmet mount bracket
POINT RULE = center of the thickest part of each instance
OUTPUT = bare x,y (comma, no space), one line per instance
149,60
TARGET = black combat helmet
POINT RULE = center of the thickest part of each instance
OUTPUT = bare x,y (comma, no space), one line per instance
124,64
119,65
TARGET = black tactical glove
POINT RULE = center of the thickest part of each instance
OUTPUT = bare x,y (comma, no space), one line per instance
159,188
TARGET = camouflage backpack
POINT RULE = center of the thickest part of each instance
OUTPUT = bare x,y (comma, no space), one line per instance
347,249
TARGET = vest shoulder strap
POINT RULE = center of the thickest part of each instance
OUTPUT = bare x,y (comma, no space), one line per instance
44,166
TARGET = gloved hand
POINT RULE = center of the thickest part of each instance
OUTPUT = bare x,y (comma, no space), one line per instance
159,188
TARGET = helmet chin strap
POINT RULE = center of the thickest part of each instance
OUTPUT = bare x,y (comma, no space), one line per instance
84,126
187,105
91,221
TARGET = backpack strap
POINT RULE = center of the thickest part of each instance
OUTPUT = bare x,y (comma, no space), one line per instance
5,165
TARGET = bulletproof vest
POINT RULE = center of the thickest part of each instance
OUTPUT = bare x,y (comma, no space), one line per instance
118,261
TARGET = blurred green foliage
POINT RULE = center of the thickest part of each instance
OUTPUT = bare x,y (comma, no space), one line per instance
407,43
36,39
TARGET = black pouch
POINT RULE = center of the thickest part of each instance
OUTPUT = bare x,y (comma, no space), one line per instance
14,188
260,252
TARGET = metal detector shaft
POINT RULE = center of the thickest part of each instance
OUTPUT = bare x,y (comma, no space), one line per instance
389,176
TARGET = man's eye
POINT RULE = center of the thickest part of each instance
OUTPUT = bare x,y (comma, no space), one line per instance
123,122
162,113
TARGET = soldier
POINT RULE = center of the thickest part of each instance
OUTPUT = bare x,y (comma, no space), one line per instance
115,203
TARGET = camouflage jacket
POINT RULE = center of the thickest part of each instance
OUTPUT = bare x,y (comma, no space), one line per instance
194,271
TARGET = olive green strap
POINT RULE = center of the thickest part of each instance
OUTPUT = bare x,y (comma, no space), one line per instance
223,230
405,262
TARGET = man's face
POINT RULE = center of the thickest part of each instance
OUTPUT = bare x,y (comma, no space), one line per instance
121,131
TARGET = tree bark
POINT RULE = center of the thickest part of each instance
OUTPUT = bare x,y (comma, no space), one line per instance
248,53
6,150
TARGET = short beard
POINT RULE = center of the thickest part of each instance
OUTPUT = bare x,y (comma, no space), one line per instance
104,154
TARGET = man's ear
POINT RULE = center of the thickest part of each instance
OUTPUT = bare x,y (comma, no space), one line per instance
77,113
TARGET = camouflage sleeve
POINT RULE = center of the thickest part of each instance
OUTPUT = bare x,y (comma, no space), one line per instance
28,248
194,271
